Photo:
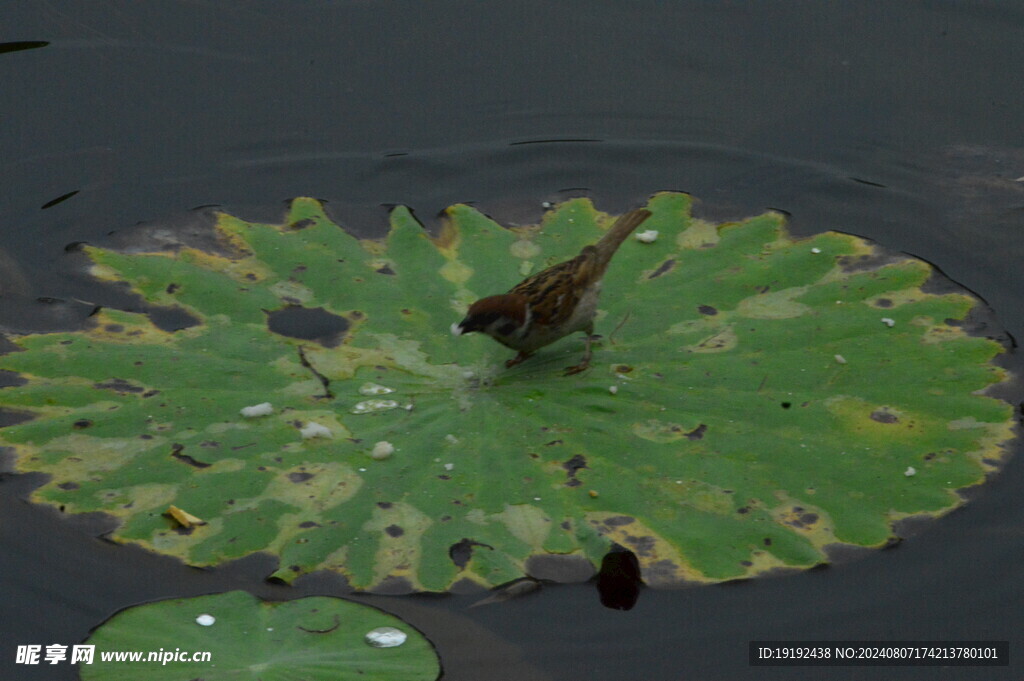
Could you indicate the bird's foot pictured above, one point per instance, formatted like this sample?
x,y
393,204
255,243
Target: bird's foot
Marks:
x,y
576,369
516,360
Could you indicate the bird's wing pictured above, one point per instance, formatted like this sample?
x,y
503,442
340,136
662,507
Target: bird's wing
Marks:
x,y
554,293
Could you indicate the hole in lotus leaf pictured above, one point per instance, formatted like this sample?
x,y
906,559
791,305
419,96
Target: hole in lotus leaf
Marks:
x,y
462,551
313,324
172,319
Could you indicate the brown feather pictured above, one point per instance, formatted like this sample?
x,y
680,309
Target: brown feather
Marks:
x,y
554,302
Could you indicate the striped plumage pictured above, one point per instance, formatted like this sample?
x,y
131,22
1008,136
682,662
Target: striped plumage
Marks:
x,y
552,303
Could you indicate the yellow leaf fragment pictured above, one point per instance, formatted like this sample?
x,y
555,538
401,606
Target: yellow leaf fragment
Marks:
x,y
183,518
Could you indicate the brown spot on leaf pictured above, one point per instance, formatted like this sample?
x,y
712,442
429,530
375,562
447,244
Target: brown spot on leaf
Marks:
x,y
394,531
572,467
884,416
666,266
119,385
68,485
81,424
309,523
300,477
707,310
883,302
302,224
697,433
643,546
176,452
619,520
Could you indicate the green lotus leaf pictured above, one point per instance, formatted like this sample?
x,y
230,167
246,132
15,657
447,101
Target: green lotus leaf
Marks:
x,y
234,636
756,400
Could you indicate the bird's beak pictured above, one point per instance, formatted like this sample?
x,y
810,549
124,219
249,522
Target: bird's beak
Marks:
x,y
457,329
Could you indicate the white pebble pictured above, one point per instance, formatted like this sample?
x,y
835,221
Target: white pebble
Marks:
x,y
840,359
647,237
312,430
205,620
261,409
888,322
386,637
910,471
382,450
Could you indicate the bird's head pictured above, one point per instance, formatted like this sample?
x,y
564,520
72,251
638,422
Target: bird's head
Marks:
x,y
501,317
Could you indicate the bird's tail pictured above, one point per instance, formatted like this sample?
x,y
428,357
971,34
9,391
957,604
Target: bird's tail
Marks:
x,y
614,237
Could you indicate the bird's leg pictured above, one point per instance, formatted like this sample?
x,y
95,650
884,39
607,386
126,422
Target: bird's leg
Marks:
x,y
587,353
517,359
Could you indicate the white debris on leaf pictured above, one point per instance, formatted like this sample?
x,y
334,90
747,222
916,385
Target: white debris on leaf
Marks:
x,y
369,406
910,471
386,637
451,439
815,250
888,322
382,450
449,466
648,236
840,359
613,389
261,409
205,620
312,430
370,389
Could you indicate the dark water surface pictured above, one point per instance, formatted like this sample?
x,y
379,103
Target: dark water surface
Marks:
x,y
902,122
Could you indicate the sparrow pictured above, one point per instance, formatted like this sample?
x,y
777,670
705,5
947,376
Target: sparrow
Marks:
x,y
552,303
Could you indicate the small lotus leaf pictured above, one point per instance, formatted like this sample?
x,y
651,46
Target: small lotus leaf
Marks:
x,y
235,636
